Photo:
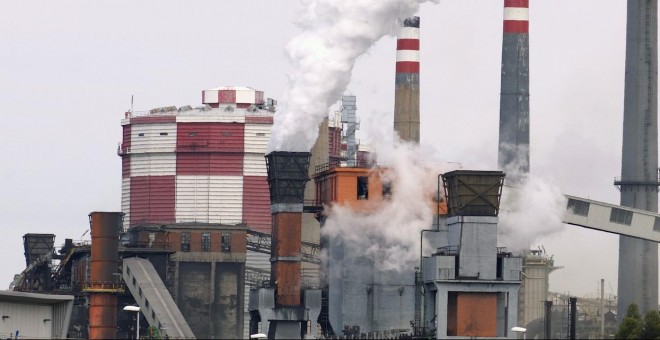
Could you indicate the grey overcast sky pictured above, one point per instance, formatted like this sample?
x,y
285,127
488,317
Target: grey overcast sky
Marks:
x,y
68,70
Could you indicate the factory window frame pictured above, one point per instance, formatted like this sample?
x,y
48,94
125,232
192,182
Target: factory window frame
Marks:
x,y
387,190
363,188
226,242
206,241
185,241
656,224
580,208
621,216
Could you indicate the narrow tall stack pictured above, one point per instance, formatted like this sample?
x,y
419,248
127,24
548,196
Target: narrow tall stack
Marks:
x,y
638,259
513,155
406,96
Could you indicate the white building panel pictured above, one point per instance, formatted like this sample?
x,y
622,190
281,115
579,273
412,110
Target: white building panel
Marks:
x,y
153,164
158,137
225,199
229,117
624,221
254,164
126,201
211,97
256,137
245,96
192,199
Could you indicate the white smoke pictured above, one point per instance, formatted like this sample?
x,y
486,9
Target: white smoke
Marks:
x,y
336,33
389,232
531,208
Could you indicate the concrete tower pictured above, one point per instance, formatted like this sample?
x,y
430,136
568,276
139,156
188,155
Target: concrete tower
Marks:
x,y
513,155
406,96
638,260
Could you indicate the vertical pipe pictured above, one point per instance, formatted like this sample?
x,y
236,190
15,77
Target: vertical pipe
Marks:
x,y
513,146
103,283
602,309
548,319
573,321
406,93
638,259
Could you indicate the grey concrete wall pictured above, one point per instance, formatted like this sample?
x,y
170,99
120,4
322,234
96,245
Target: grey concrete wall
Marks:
x,y
228,301
638,260
194,296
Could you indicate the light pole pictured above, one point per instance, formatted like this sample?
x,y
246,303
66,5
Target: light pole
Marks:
x,y
135,309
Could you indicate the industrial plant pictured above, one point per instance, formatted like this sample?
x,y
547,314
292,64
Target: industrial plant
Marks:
x,y
229,230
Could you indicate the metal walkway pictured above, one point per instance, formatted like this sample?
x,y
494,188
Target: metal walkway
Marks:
x,y
155,301
612,218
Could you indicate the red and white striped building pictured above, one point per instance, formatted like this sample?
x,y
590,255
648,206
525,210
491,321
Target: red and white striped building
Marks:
x,y
203,164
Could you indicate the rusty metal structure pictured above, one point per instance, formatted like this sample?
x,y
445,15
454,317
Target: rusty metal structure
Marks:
x,y
282,302
104,281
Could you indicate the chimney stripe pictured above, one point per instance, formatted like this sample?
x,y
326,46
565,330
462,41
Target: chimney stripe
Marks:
x,y
409,33
407,55
407,44
516,3
513,26
516,13
407,67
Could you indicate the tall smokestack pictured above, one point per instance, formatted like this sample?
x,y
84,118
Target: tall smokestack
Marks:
x,y
104,283
638,260
513,153
287,176
406,92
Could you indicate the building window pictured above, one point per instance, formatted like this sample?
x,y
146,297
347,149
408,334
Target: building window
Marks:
x,y
206,241
140,134
227,133
185,242
226,242
163,133
656,224
621,216
192,134
580,208
261,134
363,187
387,190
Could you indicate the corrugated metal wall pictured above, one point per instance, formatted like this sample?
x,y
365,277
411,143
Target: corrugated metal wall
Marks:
x,y
28,319
158,137
256,203
152,199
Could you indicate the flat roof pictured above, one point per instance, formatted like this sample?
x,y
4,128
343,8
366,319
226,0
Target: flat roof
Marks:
x,y
13,296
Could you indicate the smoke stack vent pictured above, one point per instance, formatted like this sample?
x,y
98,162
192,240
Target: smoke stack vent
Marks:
x,y
473,193
287,176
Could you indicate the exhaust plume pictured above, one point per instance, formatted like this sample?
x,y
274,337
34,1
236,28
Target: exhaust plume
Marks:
x,y
336,33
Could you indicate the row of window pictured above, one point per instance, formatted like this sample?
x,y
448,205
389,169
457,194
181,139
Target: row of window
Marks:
x,y
225,242
617,215
192,134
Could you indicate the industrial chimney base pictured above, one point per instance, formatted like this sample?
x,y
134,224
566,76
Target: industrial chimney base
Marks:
x,y
284,322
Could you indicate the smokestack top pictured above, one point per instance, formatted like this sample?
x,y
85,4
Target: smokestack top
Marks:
x,y
287,176
516,16
411,22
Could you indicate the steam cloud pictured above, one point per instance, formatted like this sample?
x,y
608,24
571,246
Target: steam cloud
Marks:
x,y
389,234
336,33
532,208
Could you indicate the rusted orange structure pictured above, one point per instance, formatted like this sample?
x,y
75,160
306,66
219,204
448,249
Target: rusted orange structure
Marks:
x,y
361,188
287,176
104,280
472,314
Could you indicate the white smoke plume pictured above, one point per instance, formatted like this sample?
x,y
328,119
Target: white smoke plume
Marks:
x,y
336,33
389,233
531,208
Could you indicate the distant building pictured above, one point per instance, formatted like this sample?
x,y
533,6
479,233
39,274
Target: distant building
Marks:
x,y
34,316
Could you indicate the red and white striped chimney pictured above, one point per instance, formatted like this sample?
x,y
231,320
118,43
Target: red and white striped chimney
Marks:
x,y
406,95
516,16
